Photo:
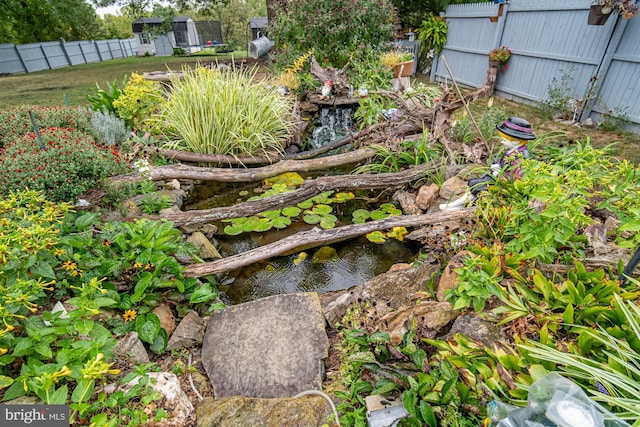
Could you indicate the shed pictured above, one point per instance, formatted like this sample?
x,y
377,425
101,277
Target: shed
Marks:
x,y
184,34
143,32
258,27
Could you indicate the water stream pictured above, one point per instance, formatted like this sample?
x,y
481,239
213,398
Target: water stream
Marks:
x,y
331,124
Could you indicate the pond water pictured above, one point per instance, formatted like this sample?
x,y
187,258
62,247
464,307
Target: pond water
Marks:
x,y
325,269
338,267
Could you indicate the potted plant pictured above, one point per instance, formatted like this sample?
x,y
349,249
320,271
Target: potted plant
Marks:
x,y
498,58
600,10
401,63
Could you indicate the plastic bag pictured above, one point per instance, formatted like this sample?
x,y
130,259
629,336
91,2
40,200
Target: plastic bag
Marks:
x,y
554,401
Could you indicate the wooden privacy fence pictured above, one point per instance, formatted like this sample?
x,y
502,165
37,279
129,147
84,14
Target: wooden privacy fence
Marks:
x,y
551,43
28,58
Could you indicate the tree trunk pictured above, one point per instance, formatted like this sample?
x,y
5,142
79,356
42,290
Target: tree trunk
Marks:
x,y
318,237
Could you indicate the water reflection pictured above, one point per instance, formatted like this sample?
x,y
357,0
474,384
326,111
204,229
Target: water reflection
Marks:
x,y
357,261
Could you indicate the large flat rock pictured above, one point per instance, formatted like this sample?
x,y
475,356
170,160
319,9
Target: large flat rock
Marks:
x,y
271,347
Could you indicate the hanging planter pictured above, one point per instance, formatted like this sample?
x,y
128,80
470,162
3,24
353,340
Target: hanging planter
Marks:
x,y
597,15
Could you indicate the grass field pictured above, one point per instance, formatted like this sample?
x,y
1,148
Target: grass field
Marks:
x,y
48,88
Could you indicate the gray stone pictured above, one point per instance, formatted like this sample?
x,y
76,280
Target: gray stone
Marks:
x,y
407,202
389,291
132,348
204,245
189,332
271,347
307,411
429,317
473,327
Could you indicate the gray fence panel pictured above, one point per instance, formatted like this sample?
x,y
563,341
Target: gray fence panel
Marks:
x,y
103,50
10,62
90,51
470,37
54,54
551,43
620,90
32,57
74,53
116,49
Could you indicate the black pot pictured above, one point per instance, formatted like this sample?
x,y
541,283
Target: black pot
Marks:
x,y
596,17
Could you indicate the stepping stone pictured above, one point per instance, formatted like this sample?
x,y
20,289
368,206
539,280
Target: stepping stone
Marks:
x,y
271,347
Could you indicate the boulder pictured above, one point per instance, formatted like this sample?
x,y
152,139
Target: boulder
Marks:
x,y
307,411
427,194
387,291
130,347
429,317
271,347
449,278
453,188
189,332
206,248
473,327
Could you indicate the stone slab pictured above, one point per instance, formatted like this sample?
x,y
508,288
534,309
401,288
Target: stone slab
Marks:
x,y
268,348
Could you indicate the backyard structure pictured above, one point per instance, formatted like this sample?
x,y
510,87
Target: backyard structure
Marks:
x,y
183,35
552,44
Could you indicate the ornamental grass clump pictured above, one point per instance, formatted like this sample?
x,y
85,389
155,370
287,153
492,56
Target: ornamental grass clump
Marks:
x,y
70,164
226,112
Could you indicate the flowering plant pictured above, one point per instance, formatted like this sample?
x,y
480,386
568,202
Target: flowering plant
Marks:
x,y
501,54
625,8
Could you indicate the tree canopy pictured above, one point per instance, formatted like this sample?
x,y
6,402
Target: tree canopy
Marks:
x,y
31,21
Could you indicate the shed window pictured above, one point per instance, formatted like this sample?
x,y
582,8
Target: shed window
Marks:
x,y
181,37
144,38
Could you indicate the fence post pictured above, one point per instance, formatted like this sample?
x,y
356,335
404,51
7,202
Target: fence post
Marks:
x,y
64,50
24,65
44,54
603,68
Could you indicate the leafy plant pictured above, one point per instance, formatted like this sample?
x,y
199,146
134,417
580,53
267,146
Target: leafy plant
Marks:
x,y
155,202
333,29
110,130
103,99
71,164
225,112
139,100
16,123
370,109
432,33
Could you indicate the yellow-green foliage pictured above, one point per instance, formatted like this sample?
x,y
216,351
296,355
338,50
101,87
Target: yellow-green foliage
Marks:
x,y
226,112
29,229
140,99
289,77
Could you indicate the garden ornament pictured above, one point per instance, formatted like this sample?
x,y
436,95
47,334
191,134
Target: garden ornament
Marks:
x,y
514,134
326,89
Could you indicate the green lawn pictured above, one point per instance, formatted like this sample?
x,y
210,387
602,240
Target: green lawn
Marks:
x,y
48,87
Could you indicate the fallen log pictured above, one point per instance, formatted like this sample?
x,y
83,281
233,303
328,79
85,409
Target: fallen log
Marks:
x,y
308,189
318,237
256,174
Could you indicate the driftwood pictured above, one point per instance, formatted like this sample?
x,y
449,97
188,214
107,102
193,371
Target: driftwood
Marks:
x,y
308,189
318,237
257,174
338,77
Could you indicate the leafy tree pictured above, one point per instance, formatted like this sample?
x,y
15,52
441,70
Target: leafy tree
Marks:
x,y
30,21
117,27
413,12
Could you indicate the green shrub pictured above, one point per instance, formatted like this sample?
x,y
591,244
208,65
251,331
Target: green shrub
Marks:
x,y
71,164
140,99
16,123
225,112
333,28
109,128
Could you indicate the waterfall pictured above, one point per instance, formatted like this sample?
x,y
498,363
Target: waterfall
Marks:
x,y
332,123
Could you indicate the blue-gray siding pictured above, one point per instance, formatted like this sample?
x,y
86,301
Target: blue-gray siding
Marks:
x,y
549,39
28,58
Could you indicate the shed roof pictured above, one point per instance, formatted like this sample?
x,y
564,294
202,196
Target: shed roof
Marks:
x,y
259,22
138,24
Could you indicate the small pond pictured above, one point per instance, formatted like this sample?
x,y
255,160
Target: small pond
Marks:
x,y
336,267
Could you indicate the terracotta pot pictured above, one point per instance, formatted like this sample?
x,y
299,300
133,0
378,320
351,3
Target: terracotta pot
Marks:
x,y
596,17
403,69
